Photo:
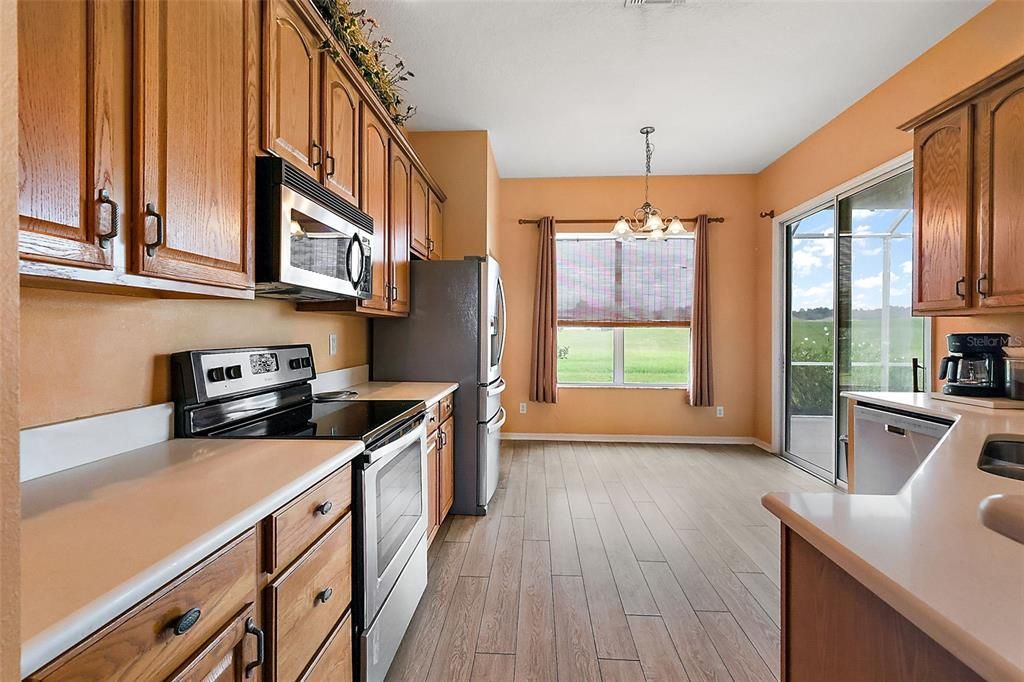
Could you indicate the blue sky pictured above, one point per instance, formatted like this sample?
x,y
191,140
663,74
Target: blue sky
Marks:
x,y
813,260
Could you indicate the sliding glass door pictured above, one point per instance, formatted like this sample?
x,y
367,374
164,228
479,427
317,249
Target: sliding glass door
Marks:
x,y
848,323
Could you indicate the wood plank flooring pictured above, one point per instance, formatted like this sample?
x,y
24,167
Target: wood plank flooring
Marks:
x,y
603,561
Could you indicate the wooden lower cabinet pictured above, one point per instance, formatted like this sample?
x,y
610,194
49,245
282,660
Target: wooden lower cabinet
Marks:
x,y
836,629
440,464
235,615
154,639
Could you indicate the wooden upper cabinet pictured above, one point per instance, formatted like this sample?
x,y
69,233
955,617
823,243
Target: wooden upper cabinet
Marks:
x,y
341,132
195,125
1000,195
73,130
401,180
374,195
435,226
291,76
419,212
942,208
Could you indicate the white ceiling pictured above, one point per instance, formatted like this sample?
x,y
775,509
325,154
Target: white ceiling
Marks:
x,y
564,86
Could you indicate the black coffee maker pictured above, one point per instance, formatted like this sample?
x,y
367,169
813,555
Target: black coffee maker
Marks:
x,y
976,365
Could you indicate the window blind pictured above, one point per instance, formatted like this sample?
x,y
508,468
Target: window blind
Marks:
x,y
608,283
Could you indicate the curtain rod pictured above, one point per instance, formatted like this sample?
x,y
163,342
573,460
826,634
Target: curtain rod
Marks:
x,y
595,221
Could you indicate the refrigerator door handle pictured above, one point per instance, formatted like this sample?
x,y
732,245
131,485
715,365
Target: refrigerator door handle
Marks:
x,y
496,388
504,319
491,428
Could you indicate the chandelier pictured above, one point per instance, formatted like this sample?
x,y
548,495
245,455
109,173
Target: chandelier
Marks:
x,y
647,219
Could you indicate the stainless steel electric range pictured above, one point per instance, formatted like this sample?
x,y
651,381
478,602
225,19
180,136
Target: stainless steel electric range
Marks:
x,y
266,393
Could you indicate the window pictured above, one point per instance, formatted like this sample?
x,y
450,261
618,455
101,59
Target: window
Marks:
x,y
624,311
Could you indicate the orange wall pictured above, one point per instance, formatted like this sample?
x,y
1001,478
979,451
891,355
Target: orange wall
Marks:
x,y
635,411
85,354
867,135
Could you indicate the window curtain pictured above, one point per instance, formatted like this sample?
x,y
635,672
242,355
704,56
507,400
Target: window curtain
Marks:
x,y
544,360
702,393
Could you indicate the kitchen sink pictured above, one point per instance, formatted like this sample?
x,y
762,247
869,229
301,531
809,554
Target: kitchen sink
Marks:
x,y
1003,458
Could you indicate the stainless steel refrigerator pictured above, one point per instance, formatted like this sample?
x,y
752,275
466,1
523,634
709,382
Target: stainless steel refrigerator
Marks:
x,y
455,332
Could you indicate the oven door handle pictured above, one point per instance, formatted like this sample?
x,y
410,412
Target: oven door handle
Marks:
x,y
385,454
491,428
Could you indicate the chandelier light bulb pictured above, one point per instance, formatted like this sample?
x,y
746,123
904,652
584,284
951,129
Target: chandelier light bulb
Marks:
x,y
621,227
654,222
675,226
657,235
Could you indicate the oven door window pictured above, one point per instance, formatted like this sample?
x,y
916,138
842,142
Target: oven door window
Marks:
x,y
318,248
400,503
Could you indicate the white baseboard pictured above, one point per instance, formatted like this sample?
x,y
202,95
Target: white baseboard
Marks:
x,y
634,438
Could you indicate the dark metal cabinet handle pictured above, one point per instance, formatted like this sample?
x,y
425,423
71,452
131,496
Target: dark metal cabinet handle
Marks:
x,y
394,293
315,162
387,291
325,508
960,287
152,246
430,245
250,628
981,285
330,165
115,218
185,621
324,595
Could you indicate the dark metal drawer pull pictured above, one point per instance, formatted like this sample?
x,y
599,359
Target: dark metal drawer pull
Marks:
x,y
981,286
185,621
250,628
324,595
115,218
151,247
959,287
325,508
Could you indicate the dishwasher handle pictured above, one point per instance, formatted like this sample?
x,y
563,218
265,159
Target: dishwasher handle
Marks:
x,y
895,430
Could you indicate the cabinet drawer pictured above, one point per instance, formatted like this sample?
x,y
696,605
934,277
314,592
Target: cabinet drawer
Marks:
x,y
447,406
433,417
142,643
300,611
294,528
334,660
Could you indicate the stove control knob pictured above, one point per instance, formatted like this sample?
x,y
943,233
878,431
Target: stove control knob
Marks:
x,y
216,374
234,372
306,362
295,363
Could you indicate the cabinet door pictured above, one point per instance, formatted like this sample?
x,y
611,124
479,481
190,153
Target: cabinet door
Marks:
x,y
401,180
435,227
433,503
373,187
72,130
1000,198
341,132
418,215
942,207
291,77
229,656
446,463
196,91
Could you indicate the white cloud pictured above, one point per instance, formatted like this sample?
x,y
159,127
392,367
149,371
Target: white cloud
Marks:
x,y
907,267
862,229
805,262
872,282
812,297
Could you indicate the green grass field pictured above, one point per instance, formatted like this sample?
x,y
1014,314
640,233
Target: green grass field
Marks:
x,y
650,356
812,339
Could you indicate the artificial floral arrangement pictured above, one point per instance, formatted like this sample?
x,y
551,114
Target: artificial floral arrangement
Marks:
x,y
382,69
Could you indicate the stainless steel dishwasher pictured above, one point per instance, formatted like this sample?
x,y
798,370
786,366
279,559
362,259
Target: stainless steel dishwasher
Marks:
x,y
890,446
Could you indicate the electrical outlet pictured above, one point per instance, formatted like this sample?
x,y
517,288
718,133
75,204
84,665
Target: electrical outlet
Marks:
x,y
719,411
522,408
332,342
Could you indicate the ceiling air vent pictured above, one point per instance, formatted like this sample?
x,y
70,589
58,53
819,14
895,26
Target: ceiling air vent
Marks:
x,y
638,3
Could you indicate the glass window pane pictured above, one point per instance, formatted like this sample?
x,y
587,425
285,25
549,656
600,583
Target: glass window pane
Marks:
x,y
656,355
585,355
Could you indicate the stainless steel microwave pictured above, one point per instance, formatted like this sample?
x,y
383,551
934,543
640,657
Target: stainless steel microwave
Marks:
x,y
311,245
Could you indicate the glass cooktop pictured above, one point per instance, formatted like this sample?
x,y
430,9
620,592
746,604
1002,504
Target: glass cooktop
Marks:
x,y
364,420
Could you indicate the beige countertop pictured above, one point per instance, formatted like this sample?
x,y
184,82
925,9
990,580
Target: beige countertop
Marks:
x,y
427,391
98,538
924,551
